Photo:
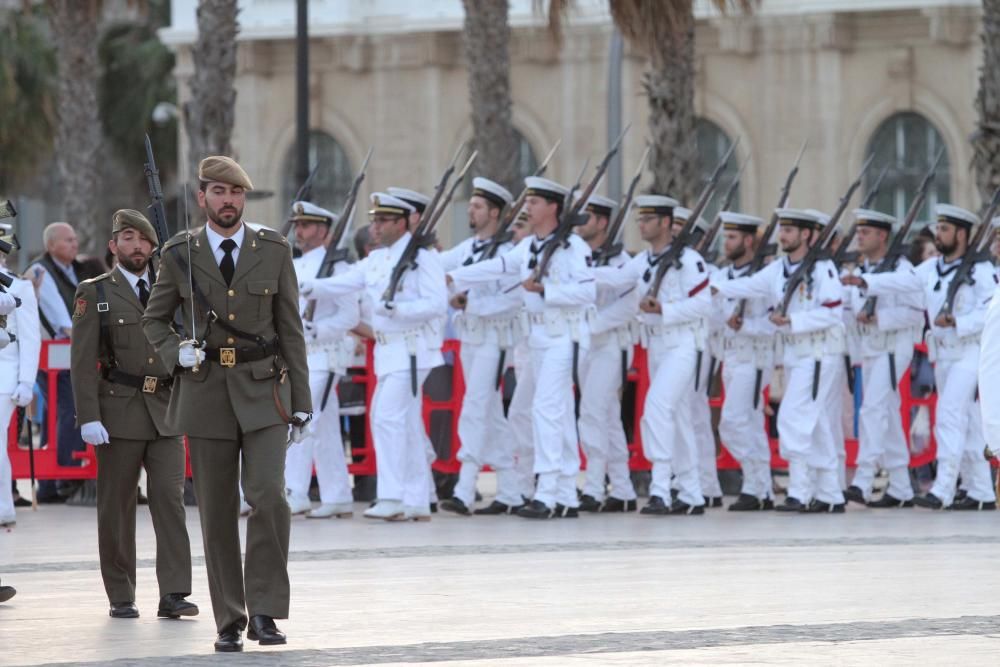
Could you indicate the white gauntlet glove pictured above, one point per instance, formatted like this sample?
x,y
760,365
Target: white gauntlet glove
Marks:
x,y
94,433
310,330
7,303
189,356
300,425
22,394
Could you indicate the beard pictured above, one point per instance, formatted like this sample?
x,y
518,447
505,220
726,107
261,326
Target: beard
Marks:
x,y
133,263
945,249
216,216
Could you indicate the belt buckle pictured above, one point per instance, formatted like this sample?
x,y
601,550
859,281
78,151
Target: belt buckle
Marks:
x,y
149,384
227,356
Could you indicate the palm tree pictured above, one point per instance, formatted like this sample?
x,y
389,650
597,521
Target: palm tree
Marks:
x,y
986,138
485,39
209,114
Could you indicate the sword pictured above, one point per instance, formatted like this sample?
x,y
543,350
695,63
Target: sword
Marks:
x,y
624,369
817,367
712,362
194,327
758,380
850,374
697,371
576,378
500,366
892,370
326,391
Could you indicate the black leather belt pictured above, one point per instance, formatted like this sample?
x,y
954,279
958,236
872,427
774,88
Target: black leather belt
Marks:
x,y
230,356
150,384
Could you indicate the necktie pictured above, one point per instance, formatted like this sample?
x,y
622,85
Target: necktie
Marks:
x,y
143,292
227,265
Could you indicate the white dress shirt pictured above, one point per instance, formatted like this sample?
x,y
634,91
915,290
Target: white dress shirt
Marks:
x,y
215,240
133,279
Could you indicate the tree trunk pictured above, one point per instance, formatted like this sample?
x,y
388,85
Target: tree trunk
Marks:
x,y
79,135
986,139
209,114
485,38
669,84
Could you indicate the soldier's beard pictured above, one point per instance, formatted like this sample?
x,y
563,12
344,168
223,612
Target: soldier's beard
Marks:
x,y
135,265
216,216
945,249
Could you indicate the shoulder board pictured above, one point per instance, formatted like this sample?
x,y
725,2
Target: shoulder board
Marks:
x,y
103,276
266,233
179,238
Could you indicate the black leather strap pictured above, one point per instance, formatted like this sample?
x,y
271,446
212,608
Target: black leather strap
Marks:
x,y
137,381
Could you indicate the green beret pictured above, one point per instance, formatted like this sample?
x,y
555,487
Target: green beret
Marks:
x,y
126,217
222,169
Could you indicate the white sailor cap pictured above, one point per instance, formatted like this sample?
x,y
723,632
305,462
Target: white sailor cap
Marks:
x,y
823,218
798,217
303,211
418,201
867,217
739,222
684,214
390,205
601,205
955,215
655,204
491,191
543,187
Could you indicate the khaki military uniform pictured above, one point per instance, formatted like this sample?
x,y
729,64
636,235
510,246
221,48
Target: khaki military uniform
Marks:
x,y
235,407
129,395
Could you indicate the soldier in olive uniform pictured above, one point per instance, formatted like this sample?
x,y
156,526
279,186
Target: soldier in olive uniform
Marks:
x,y
243,380
121,409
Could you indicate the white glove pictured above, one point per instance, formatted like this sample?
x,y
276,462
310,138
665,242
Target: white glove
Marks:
x,y
189,356
385,309
94,433
7,303
309,328
22,394
305,288
300,425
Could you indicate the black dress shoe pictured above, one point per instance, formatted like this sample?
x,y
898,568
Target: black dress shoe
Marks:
x,y
536,509
563,512
496,508
6,593
173,605
820,507
888,500
929,500
970,504
229,640
434,510
655,506
589,503
791,504
123,610
749,503
855,495
262,629
613,504
681,507
452,505
713,501
22,502
961,494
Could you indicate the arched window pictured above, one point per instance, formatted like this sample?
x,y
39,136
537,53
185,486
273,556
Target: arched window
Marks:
x,y
333,179
906,144
713,142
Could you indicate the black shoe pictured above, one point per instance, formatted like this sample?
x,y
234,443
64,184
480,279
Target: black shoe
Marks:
x,y
613,504
681,507
22,502
536,509
6,593
928,500
229,640
961,494
452,505
791,504
713,501
173,605
819,507
434,510
673,494
655,506
749,503
123,610
855,495
589,503
968,503
564,512
262,629
497,507
887,500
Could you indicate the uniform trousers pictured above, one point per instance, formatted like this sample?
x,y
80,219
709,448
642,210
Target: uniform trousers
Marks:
x,y
741,425
701,422
322,447
397,423
520,422
7,408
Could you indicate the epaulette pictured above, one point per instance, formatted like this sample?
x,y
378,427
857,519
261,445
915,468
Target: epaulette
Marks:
x,y
103,276
179,237
266,233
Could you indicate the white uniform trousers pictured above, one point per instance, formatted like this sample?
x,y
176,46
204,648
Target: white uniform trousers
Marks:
x,y
602,434
881,441
701,422
6,496
486,437
399,433
520,422
958,431
323,446
742,426
667,432
806,431
557,453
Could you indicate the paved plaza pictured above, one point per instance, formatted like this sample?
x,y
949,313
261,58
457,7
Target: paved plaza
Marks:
x,y
904,587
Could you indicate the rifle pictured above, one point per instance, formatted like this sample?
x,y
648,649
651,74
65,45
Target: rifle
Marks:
x,y
7,210
898,246
612,247
304,193
706,241
334,253
671,259
978,251
502,235
843,254
157,216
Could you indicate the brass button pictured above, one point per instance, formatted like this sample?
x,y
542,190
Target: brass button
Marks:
x,y
231,292
120,321
112,392
232,316
230,341
150,360
260,233
267,291
195,369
